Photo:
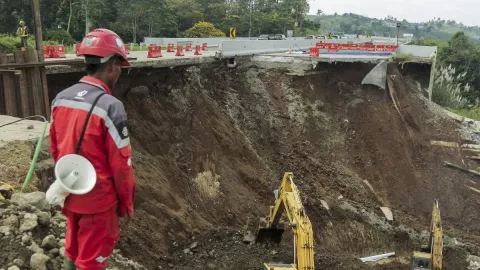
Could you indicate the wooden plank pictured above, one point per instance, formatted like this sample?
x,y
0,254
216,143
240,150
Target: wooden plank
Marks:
x,y
2,95
35,83
24,96
462,169
60,62
46,96
64,62
445,144
9,91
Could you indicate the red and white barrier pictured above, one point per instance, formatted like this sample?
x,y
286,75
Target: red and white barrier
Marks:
x,y
154,51
179,51
198,49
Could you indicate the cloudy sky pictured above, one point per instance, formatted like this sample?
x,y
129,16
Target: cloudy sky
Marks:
x,y
465,11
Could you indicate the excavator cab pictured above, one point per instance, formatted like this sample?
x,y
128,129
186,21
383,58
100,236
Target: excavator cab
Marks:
x,y
421,261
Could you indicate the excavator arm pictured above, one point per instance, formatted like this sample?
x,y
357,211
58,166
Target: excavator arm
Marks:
x,y
431,257
436,238
287,200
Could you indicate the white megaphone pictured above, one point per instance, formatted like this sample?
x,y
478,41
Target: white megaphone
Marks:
x,y
74,174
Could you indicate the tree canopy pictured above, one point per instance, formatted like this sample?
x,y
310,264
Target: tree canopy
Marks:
x,y
135,19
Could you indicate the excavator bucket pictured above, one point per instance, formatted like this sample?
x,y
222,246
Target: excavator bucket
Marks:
x,y
269,234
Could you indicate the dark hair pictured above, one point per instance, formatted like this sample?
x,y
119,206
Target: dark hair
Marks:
x,y
93,63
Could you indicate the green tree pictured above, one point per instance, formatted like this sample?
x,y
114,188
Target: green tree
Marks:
x,y
203,30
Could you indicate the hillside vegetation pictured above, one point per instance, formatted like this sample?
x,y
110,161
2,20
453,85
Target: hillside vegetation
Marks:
x,y
351,23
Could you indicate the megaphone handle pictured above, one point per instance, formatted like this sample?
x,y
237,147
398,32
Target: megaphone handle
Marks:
x,y
80,141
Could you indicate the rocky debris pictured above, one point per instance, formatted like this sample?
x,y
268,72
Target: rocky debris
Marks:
x,y
44,218
28,225
474,262
35,248
12,222
249,238
26,239
5,230
35,236
38,261
36,199
61,243
49,242
13,267
19,262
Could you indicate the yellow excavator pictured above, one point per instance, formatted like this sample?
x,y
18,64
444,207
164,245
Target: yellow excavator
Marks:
x,y
432,255
287,200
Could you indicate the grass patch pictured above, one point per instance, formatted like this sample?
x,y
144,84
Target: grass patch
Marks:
x,y
472,113
401,57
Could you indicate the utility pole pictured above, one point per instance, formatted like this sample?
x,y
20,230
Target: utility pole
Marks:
x,y
86,18
250,28
38,29
39,47
398,30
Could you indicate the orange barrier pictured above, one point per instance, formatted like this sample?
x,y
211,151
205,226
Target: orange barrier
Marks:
x,y
46,52
333,49
391,48
77,47
154,51
171,47
127,49
321,45
188,48
380,48
204,47
54,51
197,50
314,51
371,47
179,51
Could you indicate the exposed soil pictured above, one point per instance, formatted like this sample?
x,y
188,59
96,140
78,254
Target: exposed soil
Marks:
x,y
211,144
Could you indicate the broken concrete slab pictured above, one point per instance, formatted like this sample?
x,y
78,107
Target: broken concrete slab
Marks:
x,y
377,76
387,213
377,257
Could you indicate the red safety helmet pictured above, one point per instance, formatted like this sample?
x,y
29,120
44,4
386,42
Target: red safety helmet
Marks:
x,y
105,44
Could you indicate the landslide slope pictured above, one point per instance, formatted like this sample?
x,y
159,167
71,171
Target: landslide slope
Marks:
x,y
211,143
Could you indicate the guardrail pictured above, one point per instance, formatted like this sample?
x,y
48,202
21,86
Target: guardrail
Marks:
x,y
418,51
232,48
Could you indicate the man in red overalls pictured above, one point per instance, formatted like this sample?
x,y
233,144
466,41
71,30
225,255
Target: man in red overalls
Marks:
x,y
93,219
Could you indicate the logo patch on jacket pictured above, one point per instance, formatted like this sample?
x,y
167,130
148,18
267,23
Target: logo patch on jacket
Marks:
x,y
125,132
81,94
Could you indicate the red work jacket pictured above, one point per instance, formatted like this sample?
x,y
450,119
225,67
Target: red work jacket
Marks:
x,y
106,145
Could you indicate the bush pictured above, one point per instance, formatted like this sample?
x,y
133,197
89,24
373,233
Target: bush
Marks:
x,y
9,44
448,91
60,36
203,30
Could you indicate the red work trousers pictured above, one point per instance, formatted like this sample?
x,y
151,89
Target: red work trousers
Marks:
x,y
90,239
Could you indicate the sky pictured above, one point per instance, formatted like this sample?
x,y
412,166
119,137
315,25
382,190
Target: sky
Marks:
x,y
465,11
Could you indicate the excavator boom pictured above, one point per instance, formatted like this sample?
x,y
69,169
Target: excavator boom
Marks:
x,y
287,200
432,256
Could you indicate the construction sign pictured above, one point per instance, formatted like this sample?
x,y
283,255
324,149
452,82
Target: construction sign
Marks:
x,y
233,32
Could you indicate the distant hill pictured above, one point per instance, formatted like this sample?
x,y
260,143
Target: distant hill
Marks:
x,y
350,23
